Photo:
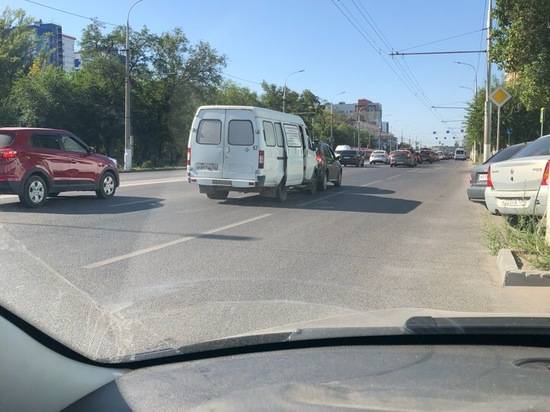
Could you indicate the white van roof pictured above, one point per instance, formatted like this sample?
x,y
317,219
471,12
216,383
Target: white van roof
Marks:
x,y
258,112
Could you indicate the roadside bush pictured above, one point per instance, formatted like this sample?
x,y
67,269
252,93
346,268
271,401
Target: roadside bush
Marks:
x,y
148,164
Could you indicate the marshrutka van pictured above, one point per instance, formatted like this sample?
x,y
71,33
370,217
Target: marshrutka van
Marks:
x,y
249,149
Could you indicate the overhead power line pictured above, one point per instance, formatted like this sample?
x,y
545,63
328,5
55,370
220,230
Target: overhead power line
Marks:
x,y
242,79
398,53
404,74
444,39
70,13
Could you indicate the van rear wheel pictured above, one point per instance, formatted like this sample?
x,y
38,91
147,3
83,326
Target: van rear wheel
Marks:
x,y
218,195
312,185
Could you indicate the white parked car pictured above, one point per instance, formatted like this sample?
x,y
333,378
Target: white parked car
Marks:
x,y
460,154
249,149
379,156
519,186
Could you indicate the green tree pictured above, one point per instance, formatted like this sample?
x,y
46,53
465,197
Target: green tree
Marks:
x,y
522,48
16,57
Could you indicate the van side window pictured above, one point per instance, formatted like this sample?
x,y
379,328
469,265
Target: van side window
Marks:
x,y
209,132
241,133
279,134
292,136
269,133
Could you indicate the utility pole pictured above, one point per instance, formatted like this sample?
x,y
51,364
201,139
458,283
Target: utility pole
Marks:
x,y
488,106
498,128
358,144
128,140
542,121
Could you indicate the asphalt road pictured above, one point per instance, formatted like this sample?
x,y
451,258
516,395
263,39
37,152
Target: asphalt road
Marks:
x,y
182,268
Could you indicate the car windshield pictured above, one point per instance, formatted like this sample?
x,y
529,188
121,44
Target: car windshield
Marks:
x,y
169,177
540,147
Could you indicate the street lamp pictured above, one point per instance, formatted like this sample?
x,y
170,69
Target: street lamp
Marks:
x,y
128,143
332,115
284,89
473,68
466,87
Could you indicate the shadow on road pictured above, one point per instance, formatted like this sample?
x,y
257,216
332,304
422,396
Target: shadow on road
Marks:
x,y
344,199
88,205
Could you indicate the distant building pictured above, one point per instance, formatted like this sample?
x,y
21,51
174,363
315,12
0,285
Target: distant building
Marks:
x,y
77,61
68,53
49,39
344,108
58,48
385,127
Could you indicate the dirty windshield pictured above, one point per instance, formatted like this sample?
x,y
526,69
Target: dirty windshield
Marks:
x,y
161,184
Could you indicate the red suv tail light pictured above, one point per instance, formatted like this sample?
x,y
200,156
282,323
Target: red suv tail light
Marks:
x,y
188,156
261,158
8,154
319,158
490,178
544,181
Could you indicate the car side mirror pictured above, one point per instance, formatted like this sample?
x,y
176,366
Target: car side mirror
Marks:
x,y
91,150
337,157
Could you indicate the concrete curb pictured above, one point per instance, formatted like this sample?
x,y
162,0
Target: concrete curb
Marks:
x,y
153,169
511,275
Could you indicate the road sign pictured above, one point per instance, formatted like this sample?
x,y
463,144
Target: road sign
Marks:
x,y
500,96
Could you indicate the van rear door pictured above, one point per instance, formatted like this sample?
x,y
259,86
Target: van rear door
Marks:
x,y
241,145
207,143
295,155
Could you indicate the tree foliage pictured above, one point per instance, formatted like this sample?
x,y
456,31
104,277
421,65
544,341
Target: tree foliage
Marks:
x,y
522,48
170,77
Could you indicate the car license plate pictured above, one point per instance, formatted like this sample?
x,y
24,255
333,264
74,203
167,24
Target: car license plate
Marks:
x,y
482,177
512,203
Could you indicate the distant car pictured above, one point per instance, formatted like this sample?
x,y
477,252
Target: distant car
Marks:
x,y
417,158
440,155
519,186
366,153
351,157
328,166
379,156
426,156
37,163
341,147
460,154
402,157
478,176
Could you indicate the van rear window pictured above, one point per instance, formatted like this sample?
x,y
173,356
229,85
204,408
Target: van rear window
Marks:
x,y
210,131
5,140
241,133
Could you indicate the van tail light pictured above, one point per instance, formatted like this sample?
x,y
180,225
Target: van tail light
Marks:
x,y
8,154
490,178
188,156
544,181
261,158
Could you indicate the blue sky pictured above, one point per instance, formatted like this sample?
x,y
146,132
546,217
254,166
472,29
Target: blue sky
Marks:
x,y
267,39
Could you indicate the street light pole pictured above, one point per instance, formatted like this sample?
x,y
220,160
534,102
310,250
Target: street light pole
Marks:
x,y
487,123
128,143
284,88
475,73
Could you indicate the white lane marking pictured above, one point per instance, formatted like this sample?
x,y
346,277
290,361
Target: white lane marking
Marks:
x,y
153,182
171,243
137,202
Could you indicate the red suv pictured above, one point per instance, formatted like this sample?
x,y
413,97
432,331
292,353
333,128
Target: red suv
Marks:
x,y
37,163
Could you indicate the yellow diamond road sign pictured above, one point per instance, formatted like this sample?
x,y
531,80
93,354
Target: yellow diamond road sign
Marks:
x,y
500,96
